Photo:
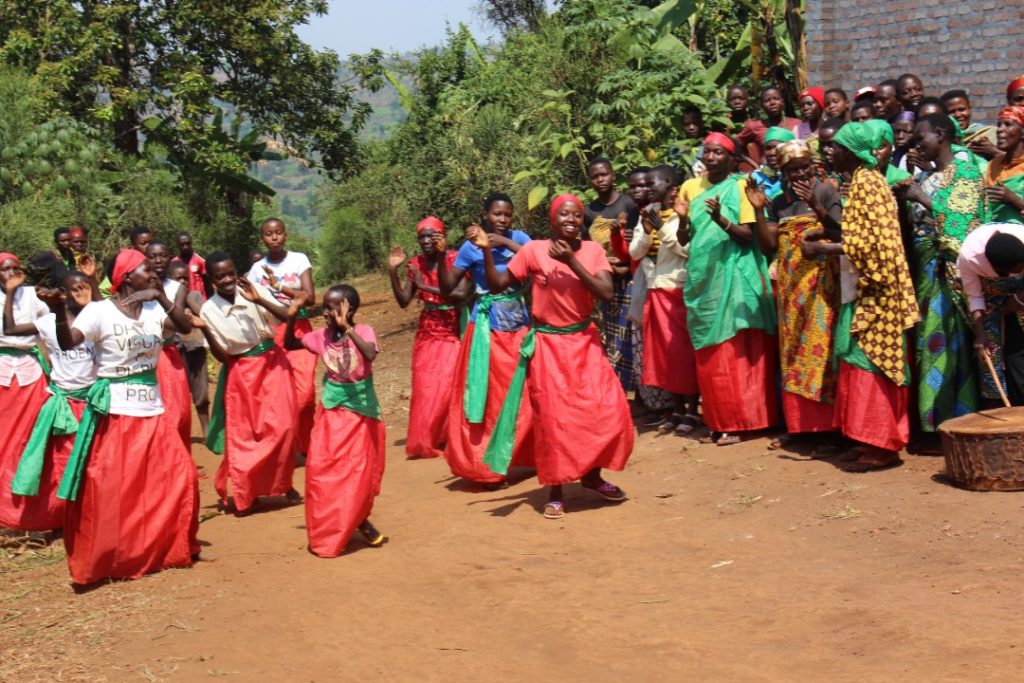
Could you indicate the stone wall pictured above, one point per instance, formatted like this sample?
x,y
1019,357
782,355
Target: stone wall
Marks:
x,y
977,46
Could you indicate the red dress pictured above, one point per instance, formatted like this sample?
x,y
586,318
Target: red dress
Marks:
x,y
19,406
580,415
175,392
259,408
669,359
345,463
435,355
737,382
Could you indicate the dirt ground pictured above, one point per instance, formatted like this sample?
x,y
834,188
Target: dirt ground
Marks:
x,y
734,563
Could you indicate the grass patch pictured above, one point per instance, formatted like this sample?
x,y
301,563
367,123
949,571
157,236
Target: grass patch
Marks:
x,y
845,512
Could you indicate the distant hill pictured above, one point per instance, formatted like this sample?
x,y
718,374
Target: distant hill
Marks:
x,y
296,185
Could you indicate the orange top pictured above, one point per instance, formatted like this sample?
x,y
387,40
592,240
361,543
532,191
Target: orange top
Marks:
x,y
998,172
559,297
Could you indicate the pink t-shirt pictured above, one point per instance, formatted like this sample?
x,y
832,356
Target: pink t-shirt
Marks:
x,y
345,364
559,297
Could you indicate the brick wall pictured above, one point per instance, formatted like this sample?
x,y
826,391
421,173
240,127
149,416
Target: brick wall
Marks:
x,y
975,45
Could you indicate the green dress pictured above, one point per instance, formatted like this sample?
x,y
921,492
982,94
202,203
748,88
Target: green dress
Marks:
x,y
947,377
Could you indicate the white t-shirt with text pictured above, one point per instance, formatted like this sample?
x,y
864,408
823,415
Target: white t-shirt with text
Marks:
x,y
126,347
73,369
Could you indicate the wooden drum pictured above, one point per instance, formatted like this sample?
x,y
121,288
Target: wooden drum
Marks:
x,y
985,451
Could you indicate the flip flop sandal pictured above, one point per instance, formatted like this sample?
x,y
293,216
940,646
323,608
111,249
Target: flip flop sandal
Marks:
x,y
710,438
688,425
608,491
652,420
670,423
374,538
729,439
554,509
862,466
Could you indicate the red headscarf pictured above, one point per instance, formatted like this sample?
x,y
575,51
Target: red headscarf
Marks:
x,y
127,261
1014,112
8,255
77,232
430,223
817,93
723,140
560,200
1019,83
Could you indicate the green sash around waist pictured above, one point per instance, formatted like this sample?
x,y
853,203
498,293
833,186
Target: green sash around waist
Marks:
x,y
474,398
35,352
437,307
499,450
56,418
215,428
359,397
97,403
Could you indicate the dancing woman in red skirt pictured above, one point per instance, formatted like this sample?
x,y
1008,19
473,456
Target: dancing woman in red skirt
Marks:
x,y
287,274
130,482
345,463
435,351
490,349
42,463
23,392
581,416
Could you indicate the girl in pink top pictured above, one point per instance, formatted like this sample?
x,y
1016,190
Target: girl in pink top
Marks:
x,y
345,462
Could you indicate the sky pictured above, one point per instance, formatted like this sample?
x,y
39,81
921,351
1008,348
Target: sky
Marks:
x,y
357,26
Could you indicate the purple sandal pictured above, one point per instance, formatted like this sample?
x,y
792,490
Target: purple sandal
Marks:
x,y
608,491
554,509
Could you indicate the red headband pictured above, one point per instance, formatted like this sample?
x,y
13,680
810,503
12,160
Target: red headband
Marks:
x,y
430,223
77,232
560,200
1019,83
127,261
723,140
1014,112
817,93
8,255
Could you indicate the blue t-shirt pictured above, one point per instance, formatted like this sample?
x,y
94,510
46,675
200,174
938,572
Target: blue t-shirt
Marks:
x,y
505,315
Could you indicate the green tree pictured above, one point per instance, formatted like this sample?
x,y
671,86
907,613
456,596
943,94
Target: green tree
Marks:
x,y
117,62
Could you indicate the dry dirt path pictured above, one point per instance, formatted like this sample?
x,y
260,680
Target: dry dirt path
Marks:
x,y
726,564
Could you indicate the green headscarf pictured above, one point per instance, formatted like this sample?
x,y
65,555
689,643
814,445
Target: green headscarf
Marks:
x,y
958,132
881,132
776,134
859,139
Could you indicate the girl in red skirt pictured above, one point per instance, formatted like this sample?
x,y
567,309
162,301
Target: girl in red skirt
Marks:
x,y
42,463
435,351
22,395
581,416
131,485
254,414
170,371
345,463
490,349
287,274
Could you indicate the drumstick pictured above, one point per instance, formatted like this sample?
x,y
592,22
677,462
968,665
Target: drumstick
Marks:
x,y
995,377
